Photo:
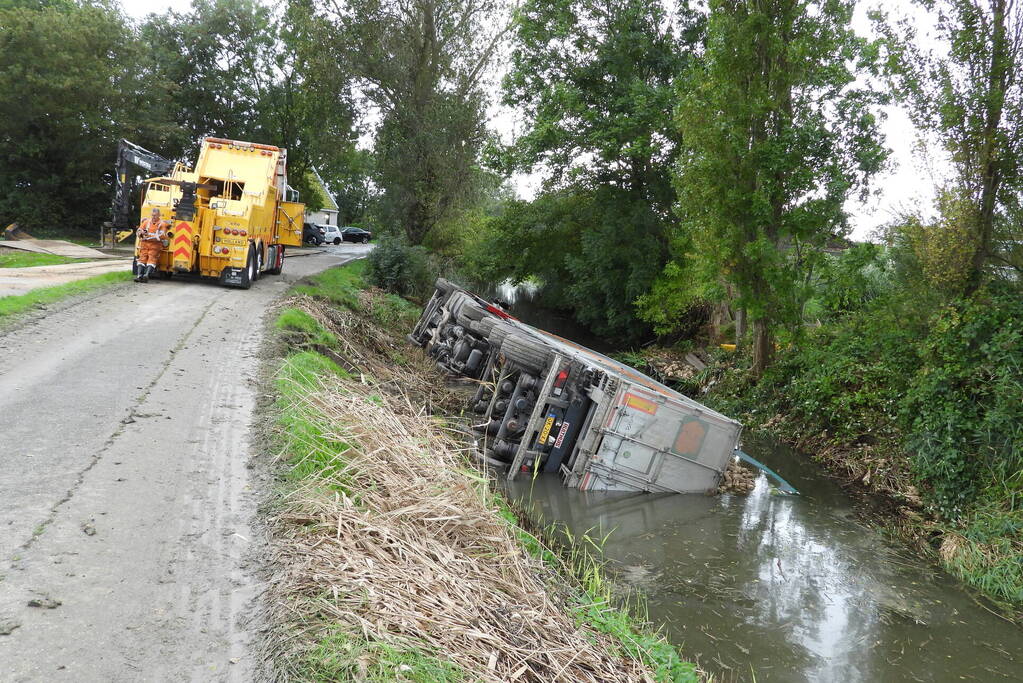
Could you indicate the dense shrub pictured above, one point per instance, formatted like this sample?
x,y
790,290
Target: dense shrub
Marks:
x,y
396,266
964,410
845,379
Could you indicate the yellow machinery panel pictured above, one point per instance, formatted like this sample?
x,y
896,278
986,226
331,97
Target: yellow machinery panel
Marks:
x,y
290,222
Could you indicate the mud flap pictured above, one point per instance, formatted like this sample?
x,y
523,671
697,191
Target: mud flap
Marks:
x,y
232,277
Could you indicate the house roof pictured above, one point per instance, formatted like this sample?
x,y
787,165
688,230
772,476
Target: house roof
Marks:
x,y
322,193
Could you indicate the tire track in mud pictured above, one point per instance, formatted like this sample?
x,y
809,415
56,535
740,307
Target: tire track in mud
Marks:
x,y
112,439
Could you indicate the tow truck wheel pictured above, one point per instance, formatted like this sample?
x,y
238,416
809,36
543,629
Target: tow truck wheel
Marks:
x,y
278,260
248,276
259,262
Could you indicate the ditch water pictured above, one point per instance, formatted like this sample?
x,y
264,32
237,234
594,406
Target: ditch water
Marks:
x,y
770,587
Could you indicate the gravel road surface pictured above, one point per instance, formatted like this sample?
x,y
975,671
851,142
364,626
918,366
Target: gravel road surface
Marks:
x,y
129,544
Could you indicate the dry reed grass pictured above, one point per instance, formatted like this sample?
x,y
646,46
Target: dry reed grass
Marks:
x,y
417,552
369,349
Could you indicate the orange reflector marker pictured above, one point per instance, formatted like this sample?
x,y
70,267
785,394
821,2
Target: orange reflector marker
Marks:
x,y
639,403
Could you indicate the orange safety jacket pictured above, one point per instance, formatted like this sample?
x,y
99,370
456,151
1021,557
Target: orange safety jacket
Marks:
x,y
147,232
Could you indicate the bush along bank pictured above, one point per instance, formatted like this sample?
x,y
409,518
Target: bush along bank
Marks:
x,y
394,557
928,414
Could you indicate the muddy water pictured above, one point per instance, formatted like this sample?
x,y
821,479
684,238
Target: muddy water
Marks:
x,y
787,588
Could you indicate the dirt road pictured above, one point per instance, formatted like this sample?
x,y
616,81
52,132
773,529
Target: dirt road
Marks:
x,y
128,506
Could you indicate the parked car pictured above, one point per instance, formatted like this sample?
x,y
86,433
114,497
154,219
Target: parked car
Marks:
x,y
313,234
353,234
332,234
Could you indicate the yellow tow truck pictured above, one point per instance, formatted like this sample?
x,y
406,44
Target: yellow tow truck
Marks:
x,y
231,217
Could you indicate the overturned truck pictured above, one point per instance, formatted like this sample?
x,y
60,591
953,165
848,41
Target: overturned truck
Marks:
x,y
550,405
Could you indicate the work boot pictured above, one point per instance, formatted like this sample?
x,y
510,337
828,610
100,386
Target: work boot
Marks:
x,y
140,268
144,277
149,272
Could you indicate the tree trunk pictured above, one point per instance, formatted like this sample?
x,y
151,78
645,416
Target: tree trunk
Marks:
x,y
740,327
762,347
990,175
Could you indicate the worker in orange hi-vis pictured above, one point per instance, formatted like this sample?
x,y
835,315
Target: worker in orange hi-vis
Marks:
x,y
151,233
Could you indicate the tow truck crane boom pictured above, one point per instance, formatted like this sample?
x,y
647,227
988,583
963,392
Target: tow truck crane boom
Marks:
x,y
130,157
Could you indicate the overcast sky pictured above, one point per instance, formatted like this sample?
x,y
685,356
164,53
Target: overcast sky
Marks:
x,y
908,185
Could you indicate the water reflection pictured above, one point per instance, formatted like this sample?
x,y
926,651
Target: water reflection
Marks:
x,y
787,588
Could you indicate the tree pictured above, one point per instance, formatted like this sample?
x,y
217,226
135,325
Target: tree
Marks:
x,y
243,71
421,66
594,82
73,80
971,100
776,137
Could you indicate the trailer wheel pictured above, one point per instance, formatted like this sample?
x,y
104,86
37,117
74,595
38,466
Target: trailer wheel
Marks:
x,y
469,313
525,352
497,333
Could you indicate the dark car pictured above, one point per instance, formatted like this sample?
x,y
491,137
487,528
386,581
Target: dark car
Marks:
x,y
353,234
312,234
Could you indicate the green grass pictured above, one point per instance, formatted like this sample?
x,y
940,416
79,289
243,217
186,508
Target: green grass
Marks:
x,y
13,258
305,433
344,655
991,555
339,285
295,320
14,305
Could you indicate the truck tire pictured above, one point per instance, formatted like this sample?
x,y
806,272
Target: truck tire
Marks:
x,y
497,334
455,303
469,313
484,327
525,352
278,260
250,266
258,271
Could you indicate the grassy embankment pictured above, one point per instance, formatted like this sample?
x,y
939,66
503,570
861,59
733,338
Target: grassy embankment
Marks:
x,y
11,306
395,557
10,258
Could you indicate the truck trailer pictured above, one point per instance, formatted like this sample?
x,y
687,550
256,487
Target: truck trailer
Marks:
x,y
548,404
231,216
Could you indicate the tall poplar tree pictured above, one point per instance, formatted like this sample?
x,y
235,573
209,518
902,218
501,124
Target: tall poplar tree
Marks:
x,y
776,136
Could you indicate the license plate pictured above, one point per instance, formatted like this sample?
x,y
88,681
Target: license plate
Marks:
x,y
546,431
